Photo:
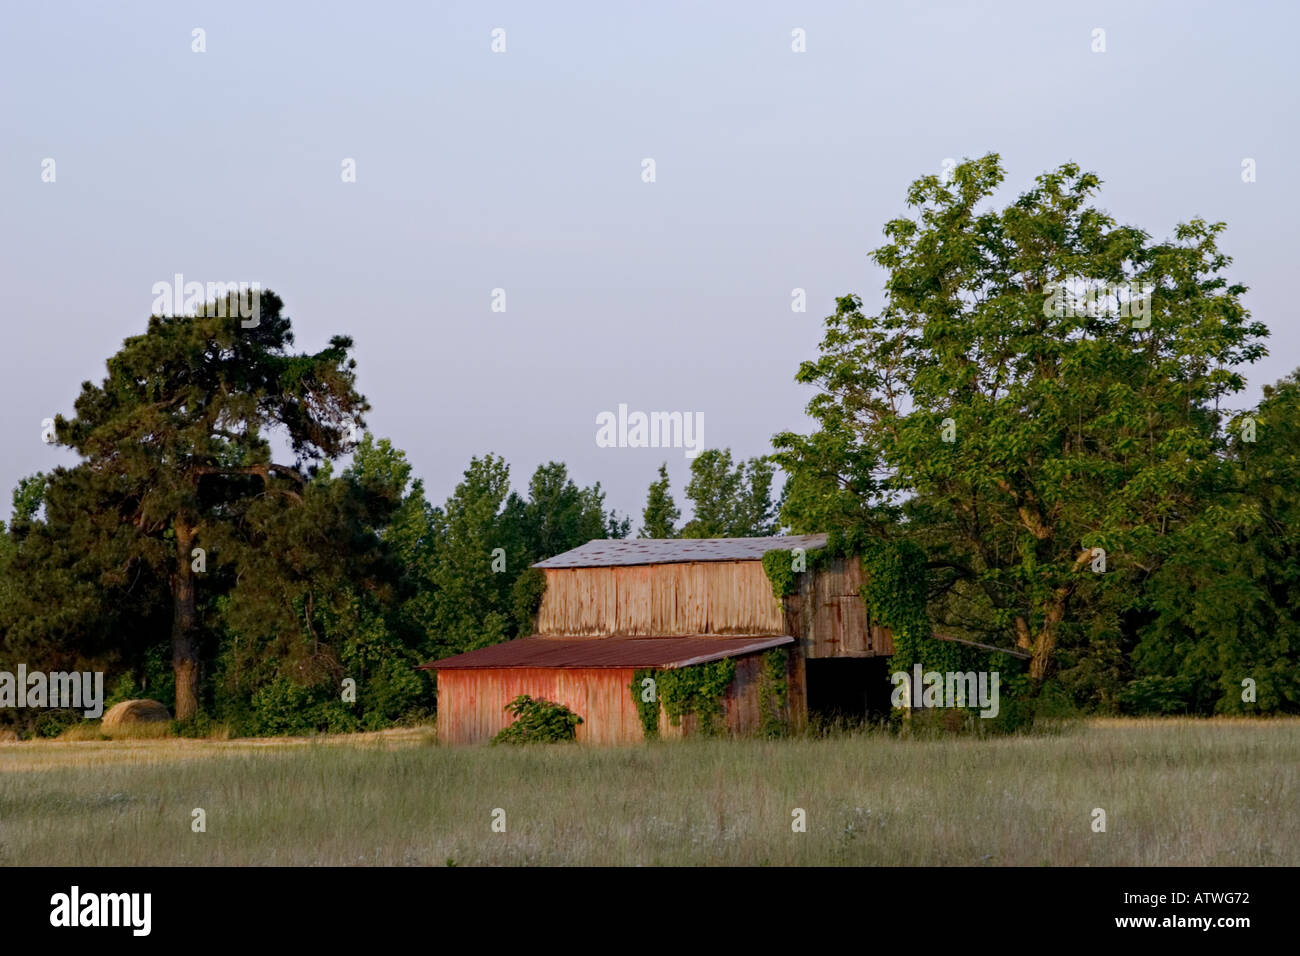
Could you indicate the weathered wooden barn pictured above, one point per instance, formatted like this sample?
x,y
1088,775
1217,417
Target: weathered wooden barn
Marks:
x,y
613,607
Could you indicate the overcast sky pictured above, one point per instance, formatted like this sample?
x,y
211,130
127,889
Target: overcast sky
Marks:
x,y
523,171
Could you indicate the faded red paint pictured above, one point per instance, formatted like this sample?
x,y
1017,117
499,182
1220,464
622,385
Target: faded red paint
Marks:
x,y
471,703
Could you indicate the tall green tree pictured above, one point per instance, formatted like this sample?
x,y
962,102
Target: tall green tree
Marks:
x,y
75,595
1223,634
179,433
730,500
661,514
319,598
471,572
558,515
1019,419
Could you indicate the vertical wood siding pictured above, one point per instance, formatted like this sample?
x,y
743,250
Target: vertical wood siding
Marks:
x,y
471,703
661,600
828,617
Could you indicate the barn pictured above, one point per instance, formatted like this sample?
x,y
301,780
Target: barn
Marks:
x,y
616,609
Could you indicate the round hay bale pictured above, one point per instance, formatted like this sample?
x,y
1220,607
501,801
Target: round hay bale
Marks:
x,y
143,711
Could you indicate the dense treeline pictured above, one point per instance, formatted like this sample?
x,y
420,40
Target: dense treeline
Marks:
x,y
1065,465
181,560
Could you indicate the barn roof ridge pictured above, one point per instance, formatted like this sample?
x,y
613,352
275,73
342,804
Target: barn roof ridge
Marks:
x,y
624,552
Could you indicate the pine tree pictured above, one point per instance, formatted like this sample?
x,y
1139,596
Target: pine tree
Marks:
x,y
177,439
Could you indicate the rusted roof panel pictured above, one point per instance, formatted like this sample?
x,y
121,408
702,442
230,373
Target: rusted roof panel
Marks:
x,y
578,652
614,552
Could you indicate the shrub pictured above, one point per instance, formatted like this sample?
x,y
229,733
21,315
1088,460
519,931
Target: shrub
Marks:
x,y
284,707
1157,695
538,721
198,726
51,723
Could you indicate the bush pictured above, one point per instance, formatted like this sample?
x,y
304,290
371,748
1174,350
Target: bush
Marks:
x,y
538,721
1157,695
198,726
394,690
1022,709
283,707
52,723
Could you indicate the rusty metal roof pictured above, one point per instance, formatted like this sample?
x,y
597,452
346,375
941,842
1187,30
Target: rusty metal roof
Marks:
x,y
613,552
580,652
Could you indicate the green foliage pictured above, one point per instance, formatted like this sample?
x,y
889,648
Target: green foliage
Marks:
x,y
199,726
1013,435
1224,608
125,688
647,710
51,723
774,692
730,501
778,565
465,601
175,453
283,707
527,593
28,498
538,721
157,680
698,690
659,519
1157,695
1020,705
895,596
352,575
470,602
559,515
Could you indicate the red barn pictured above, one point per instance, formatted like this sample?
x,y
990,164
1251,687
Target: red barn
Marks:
x,y
613,607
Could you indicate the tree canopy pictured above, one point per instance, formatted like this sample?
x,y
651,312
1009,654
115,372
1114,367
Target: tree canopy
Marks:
x,y
1040,404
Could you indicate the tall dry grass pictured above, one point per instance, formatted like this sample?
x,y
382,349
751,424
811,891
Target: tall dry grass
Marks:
x,y
1183,792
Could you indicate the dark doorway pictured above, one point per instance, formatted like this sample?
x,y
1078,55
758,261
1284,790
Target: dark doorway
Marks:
x,y
848,689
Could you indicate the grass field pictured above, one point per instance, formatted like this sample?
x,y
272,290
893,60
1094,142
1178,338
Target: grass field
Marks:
x,y
1186,792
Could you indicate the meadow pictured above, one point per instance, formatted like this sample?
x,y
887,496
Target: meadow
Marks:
x,y
1175,792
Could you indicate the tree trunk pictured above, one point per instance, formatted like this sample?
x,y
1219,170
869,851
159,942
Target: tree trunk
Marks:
x,y
1045,639
185,658
1042,655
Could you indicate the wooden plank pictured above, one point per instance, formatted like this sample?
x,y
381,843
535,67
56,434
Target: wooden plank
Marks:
x,y
719,597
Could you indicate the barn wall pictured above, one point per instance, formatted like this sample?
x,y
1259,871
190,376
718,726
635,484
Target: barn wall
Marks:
x,y
660,600
829,618
471,703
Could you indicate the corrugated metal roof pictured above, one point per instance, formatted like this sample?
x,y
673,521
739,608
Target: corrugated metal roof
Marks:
x,y
579,652
613,552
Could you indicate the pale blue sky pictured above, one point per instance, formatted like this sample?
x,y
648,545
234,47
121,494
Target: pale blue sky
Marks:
x,y
522,171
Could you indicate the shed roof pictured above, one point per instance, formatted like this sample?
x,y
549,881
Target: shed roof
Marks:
x,y
613,552
581,652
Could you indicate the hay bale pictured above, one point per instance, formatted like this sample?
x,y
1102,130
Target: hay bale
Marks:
x,y
128,712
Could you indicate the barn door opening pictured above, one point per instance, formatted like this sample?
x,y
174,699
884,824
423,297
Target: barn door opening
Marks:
x,y
849,690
